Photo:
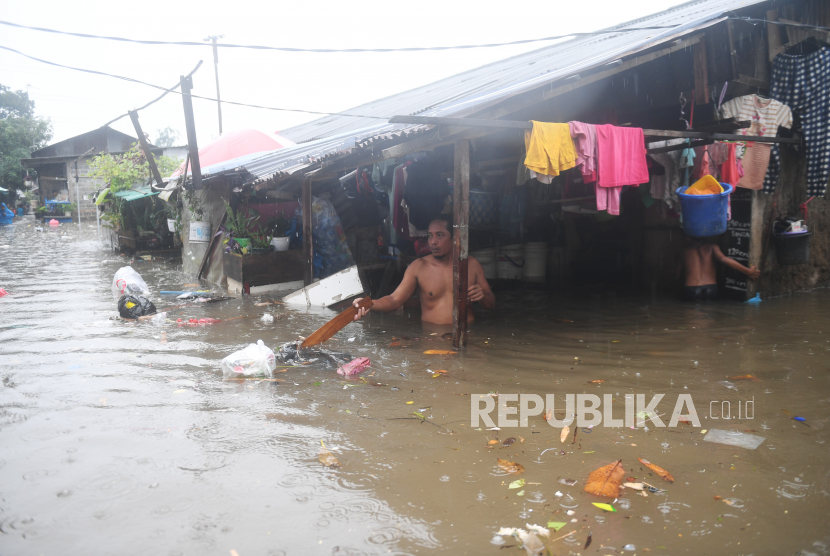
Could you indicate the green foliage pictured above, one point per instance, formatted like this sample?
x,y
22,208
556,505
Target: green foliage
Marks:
x,y
21,132
237,223
124,171
166,137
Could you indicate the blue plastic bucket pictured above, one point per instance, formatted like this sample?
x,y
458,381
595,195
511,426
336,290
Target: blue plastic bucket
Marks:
x,y
704,215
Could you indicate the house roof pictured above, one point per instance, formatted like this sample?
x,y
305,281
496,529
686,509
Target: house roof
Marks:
x,y
466,93
101,140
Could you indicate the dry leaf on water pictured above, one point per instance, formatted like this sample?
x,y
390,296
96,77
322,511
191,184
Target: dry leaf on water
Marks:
x,y
745,377
394,344
439,352
510,466
563,436
596,381
606,480
548,414
326,457
509,441
659,470
493,442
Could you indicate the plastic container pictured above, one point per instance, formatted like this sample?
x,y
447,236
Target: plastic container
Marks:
x,y
280,243
487,259
510,262
792,248
243,241
199,232
536,261
127,281
484,208
171,225
704,215
19,211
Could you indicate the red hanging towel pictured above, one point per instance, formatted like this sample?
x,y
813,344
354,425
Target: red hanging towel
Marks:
x,y
729,169
621,155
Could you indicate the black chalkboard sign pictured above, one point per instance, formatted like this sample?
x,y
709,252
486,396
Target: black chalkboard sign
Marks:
x,y
737,243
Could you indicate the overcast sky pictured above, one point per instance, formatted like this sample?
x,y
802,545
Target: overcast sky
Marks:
x,y
78,102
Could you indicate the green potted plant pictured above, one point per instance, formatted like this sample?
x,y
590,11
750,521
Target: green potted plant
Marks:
x,y
69,208
261,243
237,226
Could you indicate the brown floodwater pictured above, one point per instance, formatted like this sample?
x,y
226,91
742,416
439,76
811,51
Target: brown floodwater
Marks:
x,y
123,438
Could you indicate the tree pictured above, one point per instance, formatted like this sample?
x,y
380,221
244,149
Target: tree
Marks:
x,y
21,132
166,137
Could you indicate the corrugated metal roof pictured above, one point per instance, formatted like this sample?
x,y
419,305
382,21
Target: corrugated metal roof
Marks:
x,y
474,90
135,193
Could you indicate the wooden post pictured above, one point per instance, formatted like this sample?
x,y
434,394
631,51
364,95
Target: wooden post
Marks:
x,y
773,35
460,237
190,126
756,238
308,244
145,148
701,73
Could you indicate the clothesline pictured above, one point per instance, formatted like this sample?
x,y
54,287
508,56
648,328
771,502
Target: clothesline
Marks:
x,y
511,124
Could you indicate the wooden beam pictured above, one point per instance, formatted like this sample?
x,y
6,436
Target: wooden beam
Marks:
x,y
190,127
718,136
145,147
308,244
211,246
701,72
756,238
688,145
460,239
773,35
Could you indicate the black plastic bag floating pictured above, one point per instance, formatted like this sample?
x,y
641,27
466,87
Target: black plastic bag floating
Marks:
x,y
134,306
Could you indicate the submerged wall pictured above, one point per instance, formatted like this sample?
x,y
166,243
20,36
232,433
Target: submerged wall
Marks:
x,y
212,198
792,191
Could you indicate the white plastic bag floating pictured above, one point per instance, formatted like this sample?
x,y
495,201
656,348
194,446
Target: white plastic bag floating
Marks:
x,y
128,281
254,360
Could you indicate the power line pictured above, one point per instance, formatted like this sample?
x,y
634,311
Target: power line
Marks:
x,y
171,90
332,50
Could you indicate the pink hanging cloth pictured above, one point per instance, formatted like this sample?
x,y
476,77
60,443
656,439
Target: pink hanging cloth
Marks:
x,y
621,156
585,141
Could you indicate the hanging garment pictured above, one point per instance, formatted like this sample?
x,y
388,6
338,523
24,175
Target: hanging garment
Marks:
x,y
671,162
621,156
729,169
400,220
383,173
585,140
425,192
550,149
608,198
765,116
802,83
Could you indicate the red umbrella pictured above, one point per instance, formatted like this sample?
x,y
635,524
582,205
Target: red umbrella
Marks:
x,y
235,145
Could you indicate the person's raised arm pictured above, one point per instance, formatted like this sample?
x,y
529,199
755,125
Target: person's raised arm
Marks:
x,y
480,290
397,298
752,273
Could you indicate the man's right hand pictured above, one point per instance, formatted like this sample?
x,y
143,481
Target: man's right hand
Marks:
x,y
361,311
753,273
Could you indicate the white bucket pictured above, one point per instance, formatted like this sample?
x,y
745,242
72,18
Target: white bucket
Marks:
x,y
487,259
280,243
510,262
199,232
171,225
536,261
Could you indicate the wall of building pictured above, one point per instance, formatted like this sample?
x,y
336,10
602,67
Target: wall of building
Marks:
x,y
192,253
782,280
84,194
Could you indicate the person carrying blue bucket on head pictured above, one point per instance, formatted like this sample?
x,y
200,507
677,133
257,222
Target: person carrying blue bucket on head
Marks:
x,y
6,215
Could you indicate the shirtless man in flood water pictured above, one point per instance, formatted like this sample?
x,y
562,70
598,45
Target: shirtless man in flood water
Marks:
x,y
431,276
699,263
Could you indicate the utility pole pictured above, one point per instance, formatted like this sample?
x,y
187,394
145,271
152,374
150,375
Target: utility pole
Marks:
x,y
190,127
213,39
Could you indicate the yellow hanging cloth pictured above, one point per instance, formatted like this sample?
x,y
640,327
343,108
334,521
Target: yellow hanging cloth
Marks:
x,y
550,149
707,185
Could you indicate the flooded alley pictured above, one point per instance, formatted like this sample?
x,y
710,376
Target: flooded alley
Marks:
x,y
123,438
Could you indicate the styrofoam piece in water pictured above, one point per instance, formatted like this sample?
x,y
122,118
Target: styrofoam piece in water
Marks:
x,y
328,291
734,438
